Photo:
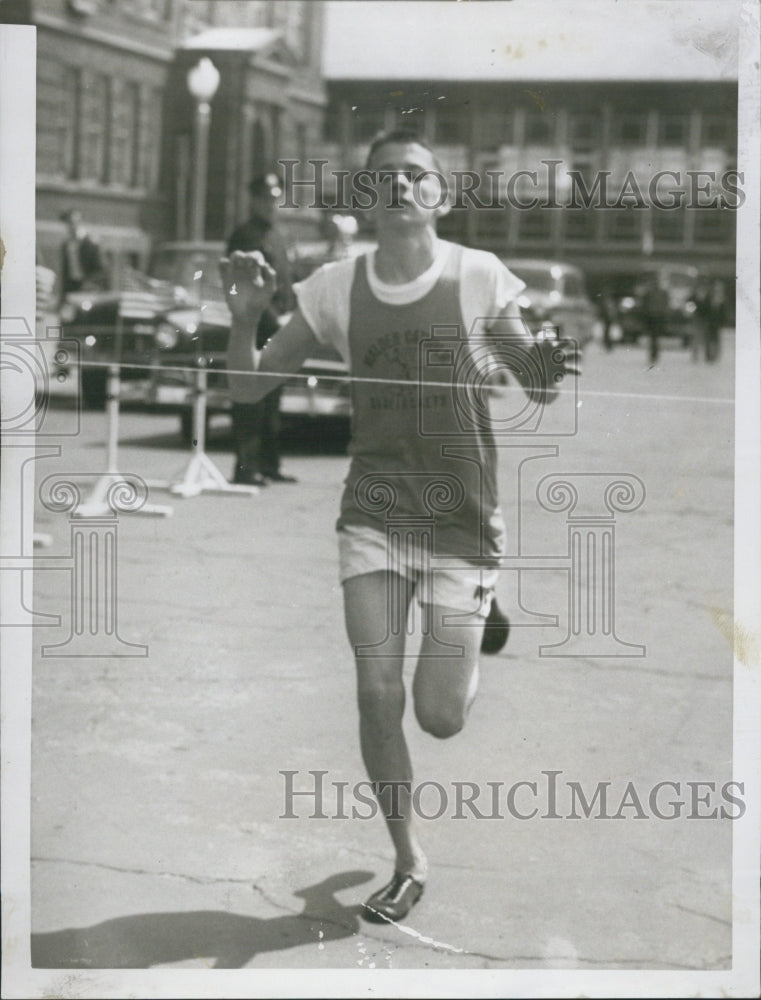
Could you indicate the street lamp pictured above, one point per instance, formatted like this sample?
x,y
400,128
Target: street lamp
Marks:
x,y
201,473
203,80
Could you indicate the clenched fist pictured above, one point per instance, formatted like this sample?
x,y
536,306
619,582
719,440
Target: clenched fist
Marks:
x,y
249,283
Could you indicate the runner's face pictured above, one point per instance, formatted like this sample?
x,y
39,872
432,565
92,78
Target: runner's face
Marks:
x,y
409,186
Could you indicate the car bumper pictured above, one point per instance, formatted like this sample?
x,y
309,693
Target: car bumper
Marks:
x,y
298,398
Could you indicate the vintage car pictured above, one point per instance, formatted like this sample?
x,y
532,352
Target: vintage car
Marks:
x,y
680,282
555,293
117,328
166,325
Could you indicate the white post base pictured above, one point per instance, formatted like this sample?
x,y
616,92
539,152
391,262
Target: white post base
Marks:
x,y
202,476
97,504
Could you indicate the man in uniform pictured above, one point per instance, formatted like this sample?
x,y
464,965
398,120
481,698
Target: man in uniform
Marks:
x,y
256,426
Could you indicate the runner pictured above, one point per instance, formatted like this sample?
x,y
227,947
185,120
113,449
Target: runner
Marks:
x,y
405,319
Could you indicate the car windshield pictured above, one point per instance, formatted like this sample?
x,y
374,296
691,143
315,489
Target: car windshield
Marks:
x,y
537,279
195,270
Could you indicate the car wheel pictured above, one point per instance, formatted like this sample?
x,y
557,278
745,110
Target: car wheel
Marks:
x,y
94,388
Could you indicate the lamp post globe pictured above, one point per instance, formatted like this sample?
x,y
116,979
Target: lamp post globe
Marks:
x,y
203,81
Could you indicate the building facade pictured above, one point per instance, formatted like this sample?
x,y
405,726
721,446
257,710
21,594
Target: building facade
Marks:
x,y
115,118
636,138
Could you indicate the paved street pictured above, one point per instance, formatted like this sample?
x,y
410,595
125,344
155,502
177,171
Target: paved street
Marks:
x,y
157,788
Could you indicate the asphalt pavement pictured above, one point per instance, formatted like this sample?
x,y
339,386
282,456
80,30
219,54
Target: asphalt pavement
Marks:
x,y
157,780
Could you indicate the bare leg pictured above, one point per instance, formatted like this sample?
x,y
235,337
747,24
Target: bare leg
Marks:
x,y
444,687
381,697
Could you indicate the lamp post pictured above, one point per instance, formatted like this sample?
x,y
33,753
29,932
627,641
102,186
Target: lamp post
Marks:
x,y
203,80
201,474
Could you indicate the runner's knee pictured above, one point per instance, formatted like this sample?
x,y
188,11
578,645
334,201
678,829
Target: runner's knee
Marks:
x,y
440,720
379,693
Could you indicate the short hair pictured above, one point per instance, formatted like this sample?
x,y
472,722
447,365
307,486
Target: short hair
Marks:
x,y
403,134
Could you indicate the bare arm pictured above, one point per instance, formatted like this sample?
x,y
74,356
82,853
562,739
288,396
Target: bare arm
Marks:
x,y
249,285
538,365
284,353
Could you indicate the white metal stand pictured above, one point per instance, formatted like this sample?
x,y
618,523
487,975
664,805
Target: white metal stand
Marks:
x,y
201,474
97,503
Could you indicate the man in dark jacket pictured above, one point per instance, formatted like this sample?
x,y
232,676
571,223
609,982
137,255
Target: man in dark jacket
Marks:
x,y
82,266
655,308
256,427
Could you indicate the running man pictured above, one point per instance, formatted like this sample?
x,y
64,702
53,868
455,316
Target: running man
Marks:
x,y
414,450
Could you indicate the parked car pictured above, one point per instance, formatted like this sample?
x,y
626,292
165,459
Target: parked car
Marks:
x,y
169,322
680,282
555,292
117,327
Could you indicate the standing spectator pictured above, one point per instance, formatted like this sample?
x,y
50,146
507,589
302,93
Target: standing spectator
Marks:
x,y
82,265
655,306
256,426
702,301
710,310
608,316
718,304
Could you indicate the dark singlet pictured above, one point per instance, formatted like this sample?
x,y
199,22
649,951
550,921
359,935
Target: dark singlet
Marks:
x,y
422,448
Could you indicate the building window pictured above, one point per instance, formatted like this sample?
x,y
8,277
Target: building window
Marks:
x,y
539,128
630,130
69,128
495,129
535,226
623,225
673,130
452,124
491,225
583,132
579,225
94,126
149,138
716,132
668,227
58,116
125,120
714,225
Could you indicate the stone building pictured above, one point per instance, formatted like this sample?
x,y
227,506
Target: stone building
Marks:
x,y
114,115
495,92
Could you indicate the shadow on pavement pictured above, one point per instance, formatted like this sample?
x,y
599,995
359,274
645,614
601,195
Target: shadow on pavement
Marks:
x,y
305,437
147,939
298,435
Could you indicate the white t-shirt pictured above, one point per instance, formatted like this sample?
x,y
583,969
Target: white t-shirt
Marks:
x,y
486,286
